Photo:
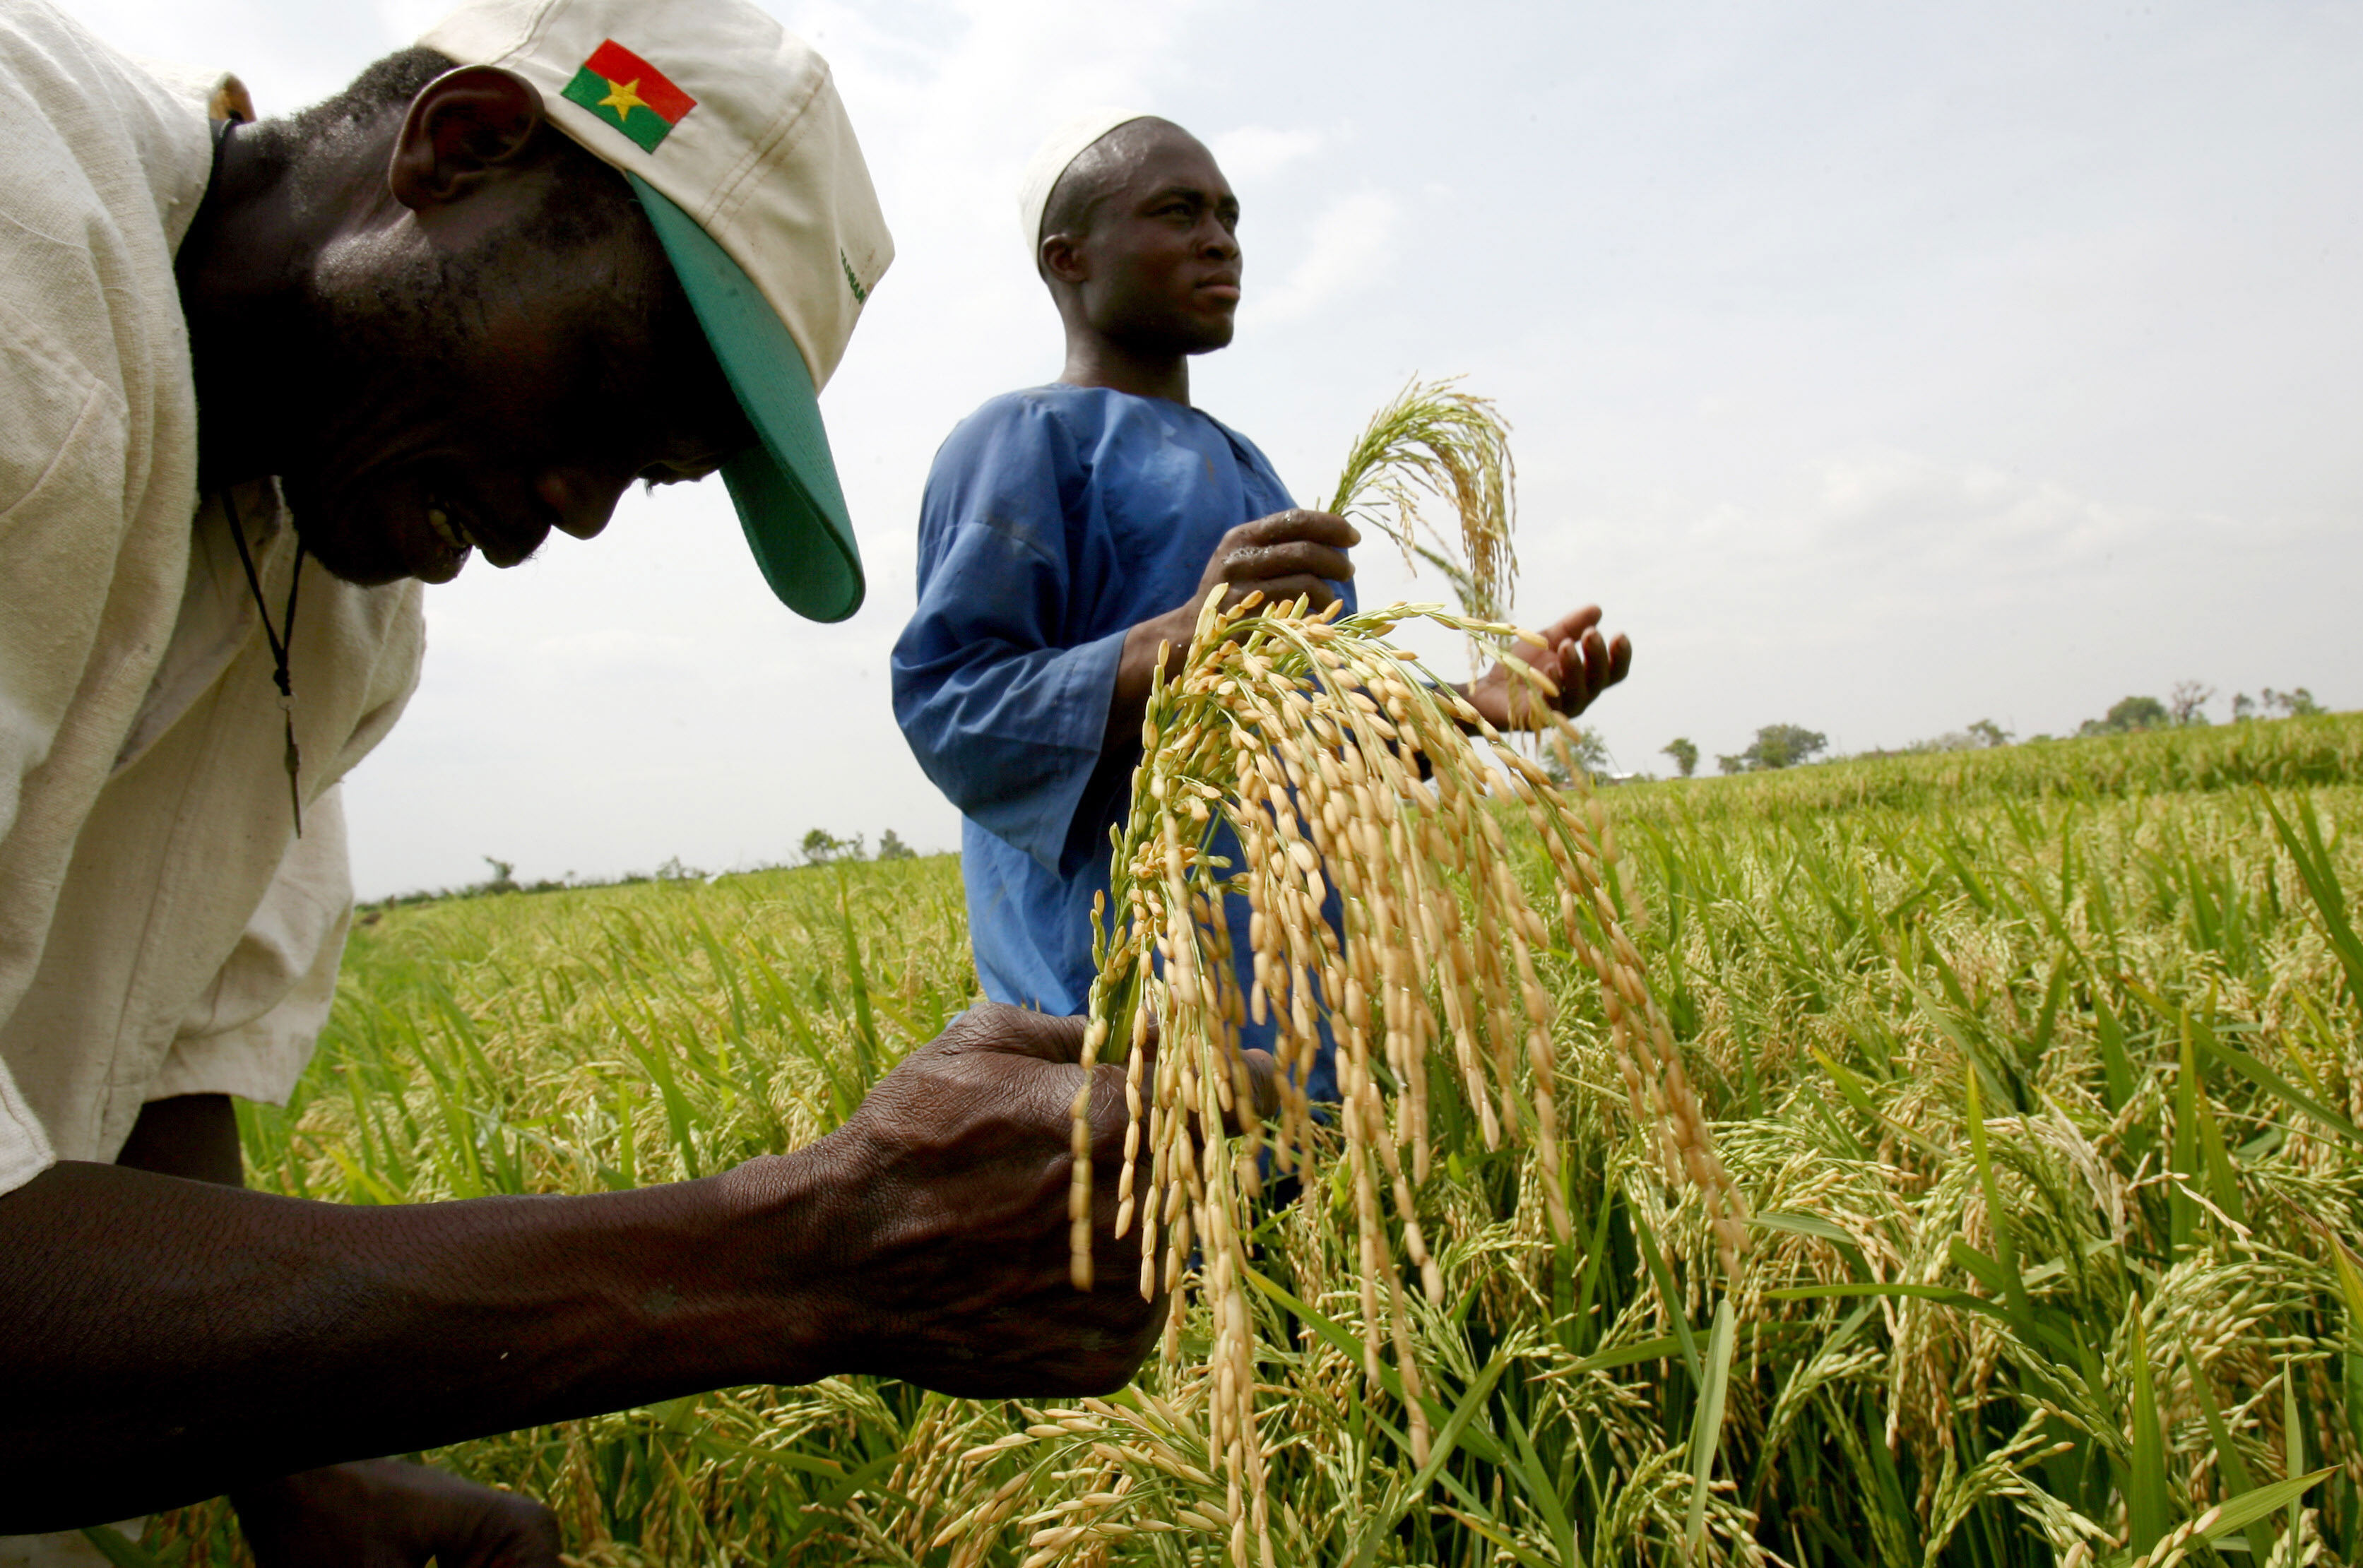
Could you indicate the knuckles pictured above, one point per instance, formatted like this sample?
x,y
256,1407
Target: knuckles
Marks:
x,y
954,1178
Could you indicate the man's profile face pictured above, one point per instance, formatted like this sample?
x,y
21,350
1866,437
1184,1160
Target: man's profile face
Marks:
x,y
1162,251
480,377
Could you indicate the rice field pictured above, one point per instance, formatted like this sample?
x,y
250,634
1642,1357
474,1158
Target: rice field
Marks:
x,y
2039,1070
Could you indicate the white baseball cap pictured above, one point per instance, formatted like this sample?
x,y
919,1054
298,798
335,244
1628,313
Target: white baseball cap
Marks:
x,y
732,135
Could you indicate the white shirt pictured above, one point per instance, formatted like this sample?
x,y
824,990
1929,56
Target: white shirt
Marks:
x,y
163,930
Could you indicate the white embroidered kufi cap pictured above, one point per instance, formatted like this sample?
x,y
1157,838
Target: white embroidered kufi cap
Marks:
x,y
1065,145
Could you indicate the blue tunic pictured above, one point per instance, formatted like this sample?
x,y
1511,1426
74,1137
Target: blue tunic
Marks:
x,y
1054,520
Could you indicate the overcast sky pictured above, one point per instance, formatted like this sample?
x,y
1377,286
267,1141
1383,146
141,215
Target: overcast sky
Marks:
x,y
1880,368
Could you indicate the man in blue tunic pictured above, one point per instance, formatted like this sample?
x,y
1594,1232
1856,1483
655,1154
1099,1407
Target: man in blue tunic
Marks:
x,y
1069,532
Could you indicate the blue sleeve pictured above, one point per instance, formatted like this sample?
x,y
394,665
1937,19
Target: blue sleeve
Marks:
x,y
1005,721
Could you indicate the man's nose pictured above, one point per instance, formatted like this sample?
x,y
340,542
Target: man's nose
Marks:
x,y
581,504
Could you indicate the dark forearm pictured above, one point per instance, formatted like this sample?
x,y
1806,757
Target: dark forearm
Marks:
x,y
1136,671
170,1340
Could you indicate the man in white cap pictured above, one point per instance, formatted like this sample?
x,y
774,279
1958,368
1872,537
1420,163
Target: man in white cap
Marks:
x,y
562,246
1067,532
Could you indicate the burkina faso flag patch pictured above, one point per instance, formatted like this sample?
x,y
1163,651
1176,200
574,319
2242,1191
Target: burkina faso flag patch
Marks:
x,y
629,93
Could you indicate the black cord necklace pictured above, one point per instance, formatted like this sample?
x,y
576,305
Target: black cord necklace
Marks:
x,y
279,641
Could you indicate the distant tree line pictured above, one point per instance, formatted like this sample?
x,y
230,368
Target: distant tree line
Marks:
x,y
1788,745
2186,705
822,847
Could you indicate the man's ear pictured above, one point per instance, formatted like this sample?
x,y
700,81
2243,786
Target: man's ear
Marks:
x,y
465,129
1063,260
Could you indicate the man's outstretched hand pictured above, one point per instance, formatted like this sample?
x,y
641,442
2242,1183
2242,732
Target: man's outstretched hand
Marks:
x,y
945,1198
1575,657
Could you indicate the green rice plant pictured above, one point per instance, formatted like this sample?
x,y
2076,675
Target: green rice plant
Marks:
x,y
1935,1357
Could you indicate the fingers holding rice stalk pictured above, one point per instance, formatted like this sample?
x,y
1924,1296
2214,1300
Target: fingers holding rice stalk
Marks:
x,y
1308,735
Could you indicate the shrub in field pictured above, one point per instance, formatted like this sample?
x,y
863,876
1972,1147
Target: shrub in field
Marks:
x,y
2040,1068
2126,715
1777,746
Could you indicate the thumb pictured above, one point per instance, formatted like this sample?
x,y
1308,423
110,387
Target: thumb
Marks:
x,y
1570,627
1263,1080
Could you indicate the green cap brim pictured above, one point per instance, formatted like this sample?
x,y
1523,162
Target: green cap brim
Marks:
x,y
785,485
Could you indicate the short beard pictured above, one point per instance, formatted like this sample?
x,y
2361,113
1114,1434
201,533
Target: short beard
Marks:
x,y
405,326
397,332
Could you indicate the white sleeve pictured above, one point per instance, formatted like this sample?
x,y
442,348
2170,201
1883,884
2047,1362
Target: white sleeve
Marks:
x,y
251,1034
23,1147
62,437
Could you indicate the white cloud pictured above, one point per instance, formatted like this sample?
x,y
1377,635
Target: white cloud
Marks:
x,y
1252,153
1349,249
1965,521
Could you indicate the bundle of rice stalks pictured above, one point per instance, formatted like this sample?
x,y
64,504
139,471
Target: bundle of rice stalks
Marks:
x,y
1336,759
1435,442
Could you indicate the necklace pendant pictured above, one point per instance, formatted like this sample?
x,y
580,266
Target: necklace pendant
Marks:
x,y
295,770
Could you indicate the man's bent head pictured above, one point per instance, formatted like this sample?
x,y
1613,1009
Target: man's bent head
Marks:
x,y
484,341
1139,241
562,246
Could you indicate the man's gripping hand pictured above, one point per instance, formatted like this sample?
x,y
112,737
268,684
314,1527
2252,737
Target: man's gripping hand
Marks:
x,y
1282,557
946,1233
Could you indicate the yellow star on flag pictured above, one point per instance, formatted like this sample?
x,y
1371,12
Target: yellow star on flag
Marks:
x,y
623,97
623,91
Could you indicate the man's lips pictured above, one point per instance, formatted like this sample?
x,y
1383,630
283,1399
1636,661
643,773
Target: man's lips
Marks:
x,y
451,533
461,531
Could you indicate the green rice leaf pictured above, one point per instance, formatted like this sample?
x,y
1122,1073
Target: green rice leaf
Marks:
x,y
2350,1288
2321,878
2273,1083
2257,1502
2183,1214
2006,1251
2227,1452
118,1547
2292,1436
2116,1066
1666,1295
1347,1342
1626,1356
1706,1425
2148,1512
1942,1295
